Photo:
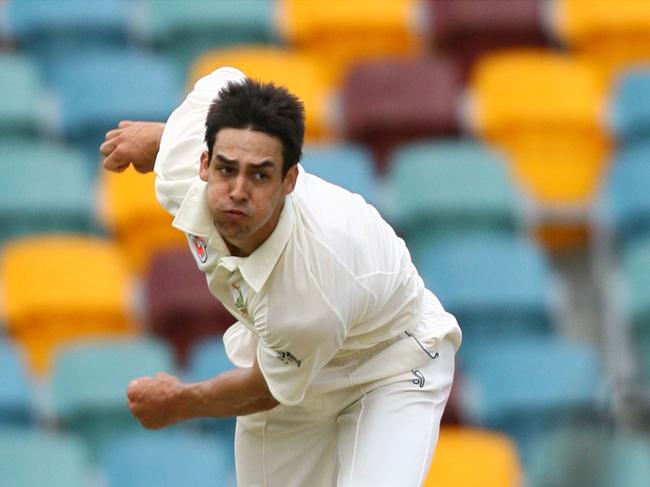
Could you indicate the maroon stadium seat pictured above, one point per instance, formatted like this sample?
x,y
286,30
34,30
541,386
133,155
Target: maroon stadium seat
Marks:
x,y
392,101
180,307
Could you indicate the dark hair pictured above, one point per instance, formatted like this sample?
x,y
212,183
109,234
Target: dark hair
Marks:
x,y
263,107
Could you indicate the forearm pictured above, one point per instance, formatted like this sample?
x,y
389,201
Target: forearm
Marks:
x,y
232,393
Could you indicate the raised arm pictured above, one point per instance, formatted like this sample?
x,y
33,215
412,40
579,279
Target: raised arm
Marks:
x,y
134,143
164,400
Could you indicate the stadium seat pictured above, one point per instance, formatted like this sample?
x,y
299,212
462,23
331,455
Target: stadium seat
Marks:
x,y
16,398
629,108
465,30
96,92
343,33
30,458
53,31
130,211
166,460
492,456
629,463
528,386
624,203
509,293
348,165
58,288
635,268
544,109
392,101
180,307
89,384
186,29
20,97
208,359
43,188
612,35
451,187
302,73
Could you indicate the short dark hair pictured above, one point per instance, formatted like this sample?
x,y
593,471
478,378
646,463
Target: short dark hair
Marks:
x,y
263,107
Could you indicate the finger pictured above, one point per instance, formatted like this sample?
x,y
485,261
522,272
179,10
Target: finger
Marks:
x,y
112,133
125,123
107,147
112,164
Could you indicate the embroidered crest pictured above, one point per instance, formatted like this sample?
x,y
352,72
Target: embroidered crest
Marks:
x,y
287,358
200,248
238,298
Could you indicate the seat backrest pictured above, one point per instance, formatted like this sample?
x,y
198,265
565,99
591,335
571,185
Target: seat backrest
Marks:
x,y
493,457
387,102
167,460
16,397
32,457
300,72
629,108
20,96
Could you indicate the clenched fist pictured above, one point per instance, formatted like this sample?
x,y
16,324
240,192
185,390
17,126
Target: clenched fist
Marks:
x,y
134,143
156,401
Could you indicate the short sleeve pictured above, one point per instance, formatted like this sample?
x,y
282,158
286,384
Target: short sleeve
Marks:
x,y
178,161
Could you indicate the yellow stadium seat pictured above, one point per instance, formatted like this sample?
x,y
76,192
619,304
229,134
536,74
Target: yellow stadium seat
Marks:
x,y
301,73
129,208
60,288
544,109
467,457
342,33
612,34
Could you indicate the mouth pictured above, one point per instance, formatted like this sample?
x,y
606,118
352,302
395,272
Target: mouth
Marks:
x,y
235,213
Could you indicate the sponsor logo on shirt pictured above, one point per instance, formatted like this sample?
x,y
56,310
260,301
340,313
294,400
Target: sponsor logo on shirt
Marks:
x,y
238,298
419,378
288,358
200,248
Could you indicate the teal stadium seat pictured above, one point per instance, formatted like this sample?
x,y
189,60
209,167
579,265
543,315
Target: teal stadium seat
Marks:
x,y
451,187
495,285
167,460
55,31
207,359
32,458
90,380
348,165
43,188
98,91
635,267
624,204
16,397
629,109
529,386
20,98
186,29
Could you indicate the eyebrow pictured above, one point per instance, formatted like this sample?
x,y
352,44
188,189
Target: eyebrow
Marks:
x,y
259,165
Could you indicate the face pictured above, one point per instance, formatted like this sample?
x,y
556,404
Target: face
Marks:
x,y
246,190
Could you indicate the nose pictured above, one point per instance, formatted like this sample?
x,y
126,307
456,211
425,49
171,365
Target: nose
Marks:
x,y
239,189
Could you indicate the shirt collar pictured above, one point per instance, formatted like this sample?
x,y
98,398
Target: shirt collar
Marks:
x,y
194,217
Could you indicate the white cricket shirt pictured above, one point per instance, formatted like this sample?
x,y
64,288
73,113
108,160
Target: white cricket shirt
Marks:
x,y
332,279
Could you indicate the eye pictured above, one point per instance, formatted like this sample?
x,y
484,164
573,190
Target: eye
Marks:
x,y
260,176
225,170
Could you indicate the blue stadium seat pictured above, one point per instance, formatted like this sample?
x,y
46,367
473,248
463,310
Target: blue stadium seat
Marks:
x,y
346,165
43,188
207,359
16,398
624,205
90,380
20,97
629,109
186,29
53,31
96,92
494,284
30,458
528,386
167,460
450,187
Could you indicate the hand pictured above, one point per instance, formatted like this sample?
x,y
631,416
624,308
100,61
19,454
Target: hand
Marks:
x,y
154,401
134,143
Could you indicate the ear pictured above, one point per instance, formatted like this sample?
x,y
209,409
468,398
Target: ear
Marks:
x,y
290,179
205,163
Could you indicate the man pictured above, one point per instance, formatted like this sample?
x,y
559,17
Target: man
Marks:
x,y
344,360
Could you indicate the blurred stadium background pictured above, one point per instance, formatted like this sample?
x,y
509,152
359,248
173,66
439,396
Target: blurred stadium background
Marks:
x,y
508,142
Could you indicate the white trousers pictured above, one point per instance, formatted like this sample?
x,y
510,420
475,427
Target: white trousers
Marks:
x,y
378,435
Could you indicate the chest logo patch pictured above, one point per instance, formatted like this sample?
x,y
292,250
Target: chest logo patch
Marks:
x,y
240,302
288,358
200,248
